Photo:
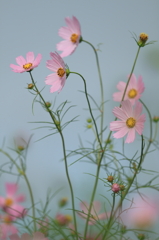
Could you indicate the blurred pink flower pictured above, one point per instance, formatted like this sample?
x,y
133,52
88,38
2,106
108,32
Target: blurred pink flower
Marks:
x,y
133,92
115,187
10,203
142,214
6,226
131,121
58,79
26,65
94,214
63,220
71,33
26,236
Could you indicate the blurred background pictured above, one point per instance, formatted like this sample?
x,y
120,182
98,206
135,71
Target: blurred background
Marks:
x,y
33,26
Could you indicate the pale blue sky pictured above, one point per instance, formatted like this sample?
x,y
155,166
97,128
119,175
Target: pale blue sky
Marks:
x,y
33,25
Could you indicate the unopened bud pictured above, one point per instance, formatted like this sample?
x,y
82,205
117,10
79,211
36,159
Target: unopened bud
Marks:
x,y
141,236
48,104
122,187
21,148
89,126
30,86
110,178
155,119
115,187
89,120
108,141
142,39
123,229
63,202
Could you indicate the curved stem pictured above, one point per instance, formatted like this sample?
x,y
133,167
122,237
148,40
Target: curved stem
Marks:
x,y
32,199
64,152
151,133
89,106
101,87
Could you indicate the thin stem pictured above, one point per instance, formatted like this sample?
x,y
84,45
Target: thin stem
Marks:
x,y
32,199
22,172
89,106
111,214
101,87
64,152
103,150
151,132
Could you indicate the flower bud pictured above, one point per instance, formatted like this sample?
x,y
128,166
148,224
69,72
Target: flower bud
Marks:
x,y
20,148
155,119
63,202
141,236
123,229
108,141
30,86
142,39
122,187
48,104
89,120
115,187
89,126
110,178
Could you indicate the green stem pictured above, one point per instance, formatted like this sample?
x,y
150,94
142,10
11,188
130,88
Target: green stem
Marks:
x,y
111,214
151,133
64,152
103,150
32,199
101,87
89,106
133,178
22,172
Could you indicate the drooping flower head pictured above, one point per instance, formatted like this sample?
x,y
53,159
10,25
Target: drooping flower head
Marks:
x,y
10,203
131,121
133,92
94,214
7,226
57,79
26,236
26,65
72,34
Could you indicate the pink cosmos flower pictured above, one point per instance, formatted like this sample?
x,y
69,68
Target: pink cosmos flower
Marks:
x,y
63,220
10,203
94,216
7,227
131,121
58,79
142,214
26,65
71,33
115,187
133,92
26,236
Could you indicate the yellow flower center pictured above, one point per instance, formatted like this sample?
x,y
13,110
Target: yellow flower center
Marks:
x,y
132,93
7,220
27,66
8,202
130,122
74,37
68,218
60,72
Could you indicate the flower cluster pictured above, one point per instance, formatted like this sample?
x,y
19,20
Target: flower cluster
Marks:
x,y
11,208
